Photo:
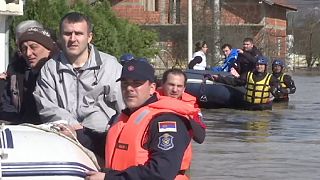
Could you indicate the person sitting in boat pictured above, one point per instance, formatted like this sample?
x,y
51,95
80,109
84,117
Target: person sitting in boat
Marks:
x,y
16,69
247,56
229,64
259,85
199,61
174,83
287,85
17,102
79,85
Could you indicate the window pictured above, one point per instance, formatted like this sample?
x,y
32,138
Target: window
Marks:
x,y
150,5
174,12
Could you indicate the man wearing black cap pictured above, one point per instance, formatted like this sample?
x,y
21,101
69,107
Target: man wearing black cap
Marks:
x,y
18,104
150,139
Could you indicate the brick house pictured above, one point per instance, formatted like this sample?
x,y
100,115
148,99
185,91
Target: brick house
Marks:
x,y
264,20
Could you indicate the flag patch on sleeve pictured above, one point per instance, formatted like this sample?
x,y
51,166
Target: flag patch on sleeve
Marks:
x,y
167,126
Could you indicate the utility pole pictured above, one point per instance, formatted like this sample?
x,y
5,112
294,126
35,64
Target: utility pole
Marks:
x,y
216,32
190,42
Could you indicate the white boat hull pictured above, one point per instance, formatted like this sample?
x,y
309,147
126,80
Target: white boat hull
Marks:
x,y
34,153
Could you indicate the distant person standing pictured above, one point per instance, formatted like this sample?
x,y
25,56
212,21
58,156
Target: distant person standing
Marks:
x,y
199,61
287,85
247,56
259,85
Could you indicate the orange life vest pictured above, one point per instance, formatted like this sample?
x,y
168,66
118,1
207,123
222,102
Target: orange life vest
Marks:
x,y
188,98
125,139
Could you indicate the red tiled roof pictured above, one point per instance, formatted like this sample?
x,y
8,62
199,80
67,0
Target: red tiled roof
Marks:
x,y
282,3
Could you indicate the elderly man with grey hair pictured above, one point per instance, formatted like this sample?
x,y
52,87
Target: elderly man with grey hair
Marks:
x,y
20,29
14,79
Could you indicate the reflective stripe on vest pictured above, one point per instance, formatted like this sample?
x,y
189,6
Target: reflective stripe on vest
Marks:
x,y
282,85
257,92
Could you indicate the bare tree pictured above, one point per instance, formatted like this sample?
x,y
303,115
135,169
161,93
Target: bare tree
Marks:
x,y
307,37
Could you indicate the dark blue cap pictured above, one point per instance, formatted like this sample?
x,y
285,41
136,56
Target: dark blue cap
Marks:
x,y
126,57
137,70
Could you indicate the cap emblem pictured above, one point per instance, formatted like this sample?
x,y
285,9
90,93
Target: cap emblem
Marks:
x,y
131,68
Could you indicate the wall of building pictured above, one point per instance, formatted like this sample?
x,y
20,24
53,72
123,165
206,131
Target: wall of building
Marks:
x,y
135,11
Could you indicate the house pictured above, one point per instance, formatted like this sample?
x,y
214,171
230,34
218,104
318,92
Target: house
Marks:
x,y
7,8
216,21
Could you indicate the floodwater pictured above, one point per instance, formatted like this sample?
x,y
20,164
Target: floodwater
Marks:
x,y
283,143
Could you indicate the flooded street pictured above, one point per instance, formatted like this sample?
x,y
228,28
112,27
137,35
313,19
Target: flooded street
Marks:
x,y
280,144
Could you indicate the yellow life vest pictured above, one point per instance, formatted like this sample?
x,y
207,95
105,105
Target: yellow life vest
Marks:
x,y
282,85
281,80
257,92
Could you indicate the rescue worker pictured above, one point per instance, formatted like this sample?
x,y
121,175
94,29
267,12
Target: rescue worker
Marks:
x,y
259,85
287,85
174,83
150,137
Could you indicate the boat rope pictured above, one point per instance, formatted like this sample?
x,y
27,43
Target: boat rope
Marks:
x,y
54,128
203,97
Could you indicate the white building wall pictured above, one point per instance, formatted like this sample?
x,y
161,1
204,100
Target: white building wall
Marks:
x,y
4,58
6,10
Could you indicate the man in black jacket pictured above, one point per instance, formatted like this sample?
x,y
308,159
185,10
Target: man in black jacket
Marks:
x,y
247,56
17,102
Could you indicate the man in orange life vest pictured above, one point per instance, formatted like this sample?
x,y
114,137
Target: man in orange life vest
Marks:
x,y
150,137
174,83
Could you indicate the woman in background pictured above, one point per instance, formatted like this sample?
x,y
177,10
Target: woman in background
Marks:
x,y
199,60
